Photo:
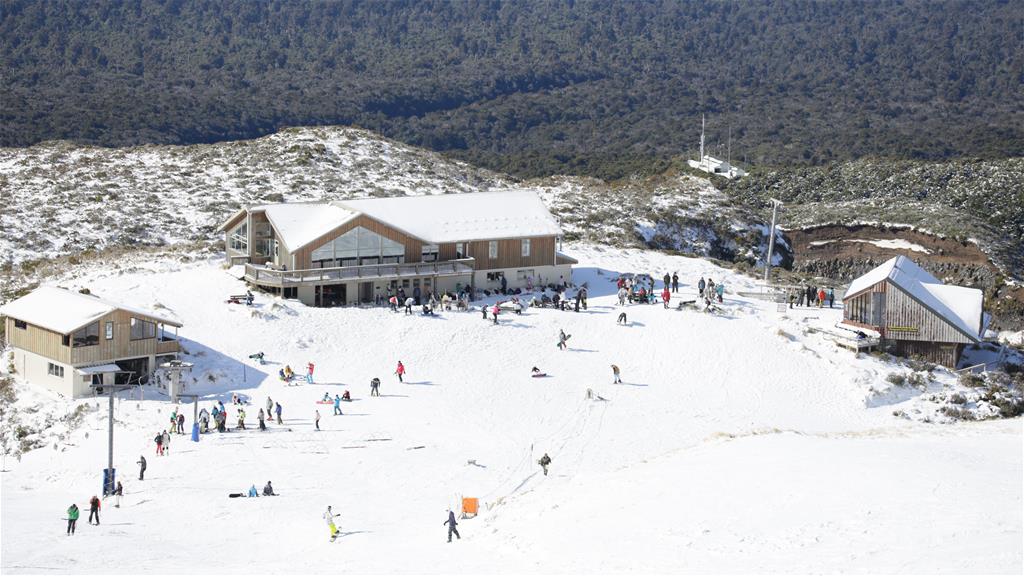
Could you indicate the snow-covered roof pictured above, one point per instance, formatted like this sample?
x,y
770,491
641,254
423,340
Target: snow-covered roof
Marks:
x,y
958,305
299,224
65,311
461,217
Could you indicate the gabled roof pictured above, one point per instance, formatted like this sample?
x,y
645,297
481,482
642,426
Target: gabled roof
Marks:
x,y
961,307
461,217
65,311
299,224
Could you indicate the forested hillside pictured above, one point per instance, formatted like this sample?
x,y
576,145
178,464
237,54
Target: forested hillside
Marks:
x,y
602,88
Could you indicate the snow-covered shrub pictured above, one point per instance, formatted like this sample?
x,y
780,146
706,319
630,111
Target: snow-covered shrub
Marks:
x,y
916,380
957,398
896,378
957,413
971,380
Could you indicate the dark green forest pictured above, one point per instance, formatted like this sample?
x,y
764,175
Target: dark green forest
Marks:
x,y
603,88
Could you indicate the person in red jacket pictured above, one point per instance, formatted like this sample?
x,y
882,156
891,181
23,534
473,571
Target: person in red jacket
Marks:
x,y
821,297
400,370
666,295
94,509
309,373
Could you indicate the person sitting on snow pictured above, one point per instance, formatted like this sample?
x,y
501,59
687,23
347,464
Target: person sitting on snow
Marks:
x,y
268,490
346,397
327,396
252,492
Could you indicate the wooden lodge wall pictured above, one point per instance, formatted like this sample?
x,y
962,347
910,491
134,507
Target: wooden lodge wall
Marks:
x,y
908,319
39,341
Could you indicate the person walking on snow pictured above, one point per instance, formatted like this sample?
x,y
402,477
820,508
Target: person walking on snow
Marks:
x,y
617,374
452,526
831,297
317,420
329,516
277,410
544,462
675,282
374,388
821,297
118,493
142,466
337,403
562,339
666,295
720,290
262,419
241,419
94,509
309,373
270,406
667,280
700,286
72,518
159,444
181,423
400,371
494,312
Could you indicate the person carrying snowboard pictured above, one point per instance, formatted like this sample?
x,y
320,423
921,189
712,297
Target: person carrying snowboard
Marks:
x,y
400,371
94,509
73,513
374,387
562,339
329,516
544,462
337,404
452,526
277,410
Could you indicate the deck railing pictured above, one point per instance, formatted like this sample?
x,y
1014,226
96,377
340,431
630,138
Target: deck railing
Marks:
x,y
287,278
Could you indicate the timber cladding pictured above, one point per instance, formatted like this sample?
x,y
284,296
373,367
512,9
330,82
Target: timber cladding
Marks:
x,y
542,248
38,340
908,319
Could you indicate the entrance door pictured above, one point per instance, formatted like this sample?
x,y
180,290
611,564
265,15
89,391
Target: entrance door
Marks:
x,y
366,292
333,295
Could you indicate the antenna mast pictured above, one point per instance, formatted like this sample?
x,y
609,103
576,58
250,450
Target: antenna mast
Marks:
x,y
701,158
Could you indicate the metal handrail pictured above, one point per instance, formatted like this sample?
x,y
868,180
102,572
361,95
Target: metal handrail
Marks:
x,y
269,276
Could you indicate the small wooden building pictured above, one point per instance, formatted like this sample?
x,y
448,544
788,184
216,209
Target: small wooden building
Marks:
x,y
914,313
73,343
354,251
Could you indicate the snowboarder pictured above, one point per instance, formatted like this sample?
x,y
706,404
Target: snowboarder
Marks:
x,y
248,298
142,466
452,526
277,410
375,387
719,291
622,319
261,418
337,404
562,339
544,462
317,421
253,493
346,397
700,286
309,373
329,516
536,373
118,493
616,374
268,490
94,509
400,371
675,282
257,357
72,518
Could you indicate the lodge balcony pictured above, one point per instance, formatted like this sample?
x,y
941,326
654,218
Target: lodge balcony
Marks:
x,y
274,278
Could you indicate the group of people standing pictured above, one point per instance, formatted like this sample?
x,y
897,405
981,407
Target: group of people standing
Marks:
x,y
813,296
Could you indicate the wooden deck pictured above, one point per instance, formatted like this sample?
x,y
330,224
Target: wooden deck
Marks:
x,y
263,276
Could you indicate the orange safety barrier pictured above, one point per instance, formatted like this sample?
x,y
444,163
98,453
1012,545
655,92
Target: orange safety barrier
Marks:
x,y
470,506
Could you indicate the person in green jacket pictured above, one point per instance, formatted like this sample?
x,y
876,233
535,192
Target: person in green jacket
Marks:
x,y
72,518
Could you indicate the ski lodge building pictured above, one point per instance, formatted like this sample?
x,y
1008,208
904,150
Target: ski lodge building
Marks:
x,y
74,343
351,251
914,313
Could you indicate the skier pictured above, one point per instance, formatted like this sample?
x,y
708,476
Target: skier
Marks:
x,y
72,518
142,466
700,286
562,339
241,419
400,371
329,516
309,373
94,509
317,420
666,295
622,319
337,405
277,410
118,493
615,372
261,417
181,423
268,490
374,387
544,462
452,526
675,282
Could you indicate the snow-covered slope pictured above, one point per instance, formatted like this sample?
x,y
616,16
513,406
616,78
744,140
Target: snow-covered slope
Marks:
x,y
740,442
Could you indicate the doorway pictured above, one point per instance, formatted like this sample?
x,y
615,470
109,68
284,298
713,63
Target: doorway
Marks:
x,y
366,292
333,295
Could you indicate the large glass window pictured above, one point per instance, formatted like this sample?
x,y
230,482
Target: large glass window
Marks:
x,y
358,246
492,249
430,252
108,330
460,250
86,336
239,238
526,247
142,329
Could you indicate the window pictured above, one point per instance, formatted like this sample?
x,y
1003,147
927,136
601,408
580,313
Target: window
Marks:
x,y
526,246
86,336
460,250
429,253
54,370
492,249
108,330
20,324
142,329
238,239
66,340
359,246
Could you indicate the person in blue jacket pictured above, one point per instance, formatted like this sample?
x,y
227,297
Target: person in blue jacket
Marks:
x,y
337,405
253,493
452,526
